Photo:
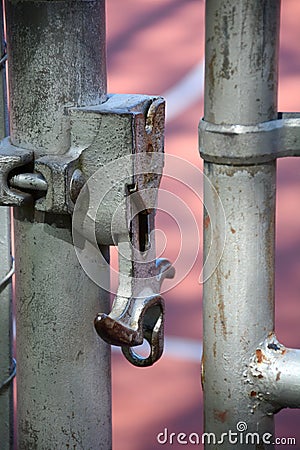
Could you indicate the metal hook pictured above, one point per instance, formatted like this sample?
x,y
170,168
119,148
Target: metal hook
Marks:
x,y
134,319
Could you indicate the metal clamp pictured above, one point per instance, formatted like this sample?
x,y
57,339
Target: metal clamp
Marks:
x,y
250,144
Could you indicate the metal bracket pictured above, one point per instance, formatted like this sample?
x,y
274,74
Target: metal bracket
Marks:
x,y
250,144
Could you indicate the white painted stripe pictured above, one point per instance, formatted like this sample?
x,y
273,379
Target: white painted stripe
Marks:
x,y
189,89
175,347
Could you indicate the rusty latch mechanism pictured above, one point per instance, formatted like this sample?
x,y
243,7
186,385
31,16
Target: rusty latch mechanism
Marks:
x,y
108,180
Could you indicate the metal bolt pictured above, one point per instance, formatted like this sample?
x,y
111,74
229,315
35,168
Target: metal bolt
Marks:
x,y
31,181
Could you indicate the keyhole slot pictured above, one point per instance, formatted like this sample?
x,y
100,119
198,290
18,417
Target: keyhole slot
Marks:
x,y
144,229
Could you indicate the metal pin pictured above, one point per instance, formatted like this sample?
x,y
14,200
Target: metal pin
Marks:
x,y
31,181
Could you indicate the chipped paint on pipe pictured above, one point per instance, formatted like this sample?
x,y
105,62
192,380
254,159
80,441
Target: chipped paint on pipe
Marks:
x,y
57,60
238,297
274,374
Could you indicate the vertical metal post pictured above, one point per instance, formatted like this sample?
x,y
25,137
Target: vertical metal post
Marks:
x,y
6,393
240,88
57,59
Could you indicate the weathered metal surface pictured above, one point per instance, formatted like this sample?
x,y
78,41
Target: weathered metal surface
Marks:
x,y
117,207
6,272
58,48
57,61
6,411
63,367
250,144
29,181
11,158
123,125
241,71
240,90
99,135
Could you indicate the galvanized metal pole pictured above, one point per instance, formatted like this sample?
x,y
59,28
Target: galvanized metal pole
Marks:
x,y
6,361
240,88
57,60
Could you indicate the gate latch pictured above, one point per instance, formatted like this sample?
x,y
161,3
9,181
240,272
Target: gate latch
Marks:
x,y
108,180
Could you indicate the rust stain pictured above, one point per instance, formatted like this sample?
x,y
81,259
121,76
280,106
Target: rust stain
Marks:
x,y
220,415
222,317
278,376
206,222
253,394
233,231
283,351
215,349
259,355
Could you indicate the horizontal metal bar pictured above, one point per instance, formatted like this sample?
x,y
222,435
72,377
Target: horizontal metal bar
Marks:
x,y
250,144
274,372
31,181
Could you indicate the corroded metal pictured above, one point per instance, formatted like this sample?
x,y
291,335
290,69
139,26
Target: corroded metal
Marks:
x,y
238,297
12,158
274,376
29,181
118,205
133,319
